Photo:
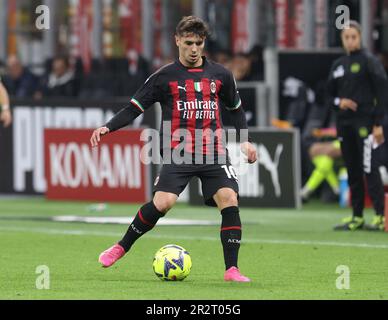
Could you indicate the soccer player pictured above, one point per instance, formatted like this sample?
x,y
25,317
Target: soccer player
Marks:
x,y
357,86
191,92
5,115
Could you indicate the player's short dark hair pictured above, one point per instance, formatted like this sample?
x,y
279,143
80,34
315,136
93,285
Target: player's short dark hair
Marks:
x,y
355,25
192,25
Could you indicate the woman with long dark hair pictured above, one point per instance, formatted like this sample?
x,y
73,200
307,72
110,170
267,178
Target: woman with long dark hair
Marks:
x,y
357,86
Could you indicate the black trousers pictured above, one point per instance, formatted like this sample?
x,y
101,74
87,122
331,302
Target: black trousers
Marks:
x,y
359,157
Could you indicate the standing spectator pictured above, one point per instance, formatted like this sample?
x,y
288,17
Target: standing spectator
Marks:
x,y
357,86
19,81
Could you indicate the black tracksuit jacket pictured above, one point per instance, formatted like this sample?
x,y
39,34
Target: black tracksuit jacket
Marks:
x,y
361,77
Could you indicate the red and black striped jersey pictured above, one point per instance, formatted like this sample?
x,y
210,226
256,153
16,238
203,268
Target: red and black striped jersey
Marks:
x,y
191,99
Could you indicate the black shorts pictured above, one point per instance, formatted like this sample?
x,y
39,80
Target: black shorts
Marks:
x,y
174,178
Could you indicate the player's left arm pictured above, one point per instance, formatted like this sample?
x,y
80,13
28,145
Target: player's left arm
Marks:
x,y
379,80
233,104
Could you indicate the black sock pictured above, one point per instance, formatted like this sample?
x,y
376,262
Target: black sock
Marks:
x,y
144,221
231,235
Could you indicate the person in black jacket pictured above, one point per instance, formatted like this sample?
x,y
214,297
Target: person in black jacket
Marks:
x,y
61,82
357,86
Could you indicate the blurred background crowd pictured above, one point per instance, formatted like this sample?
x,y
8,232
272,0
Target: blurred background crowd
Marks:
x,y
113,77
107,48
100,48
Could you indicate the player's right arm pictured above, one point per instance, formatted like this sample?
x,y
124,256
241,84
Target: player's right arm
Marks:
x,y
339,103
145,97
121,119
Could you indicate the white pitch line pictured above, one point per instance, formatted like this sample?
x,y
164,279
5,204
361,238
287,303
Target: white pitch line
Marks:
x,y
185,237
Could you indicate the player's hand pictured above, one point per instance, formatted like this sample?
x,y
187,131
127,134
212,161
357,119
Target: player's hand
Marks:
x,y
97,134
348,104
378,135
6,117
250,151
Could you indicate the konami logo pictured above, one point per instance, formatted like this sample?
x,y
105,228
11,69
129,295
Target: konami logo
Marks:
x,y
74,165
112,172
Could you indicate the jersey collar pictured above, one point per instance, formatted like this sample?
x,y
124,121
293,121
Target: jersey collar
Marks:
x,y
196,69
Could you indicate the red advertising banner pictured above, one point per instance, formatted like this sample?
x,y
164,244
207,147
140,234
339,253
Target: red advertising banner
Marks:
x,y
158,55
240,28
297,25
290,23
321,32
112,172
81,20
282,33
12,25
129,12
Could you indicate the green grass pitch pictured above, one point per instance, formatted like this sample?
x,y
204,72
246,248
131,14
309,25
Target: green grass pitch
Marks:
x,y
288,254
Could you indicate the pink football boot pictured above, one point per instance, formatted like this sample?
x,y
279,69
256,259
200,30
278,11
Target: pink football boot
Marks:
x,y
233,274
111,255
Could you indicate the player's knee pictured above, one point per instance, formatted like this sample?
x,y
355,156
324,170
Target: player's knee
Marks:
x,y
164,205
164,202
226,198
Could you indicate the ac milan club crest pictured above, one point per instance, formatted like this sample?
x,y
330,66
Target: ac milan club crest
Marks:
x,y
213,87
